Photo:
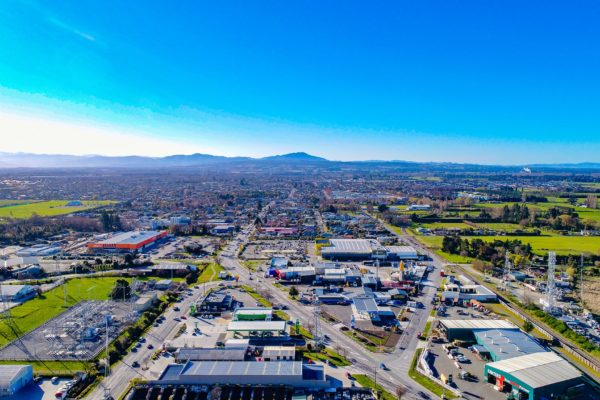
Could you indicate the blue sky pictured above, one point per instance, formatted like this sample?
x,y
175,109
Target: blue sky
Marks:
x,y
482,81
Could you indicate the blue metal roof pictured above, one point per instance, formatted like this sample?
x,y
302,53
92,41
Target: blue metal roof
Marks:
x,y
507,343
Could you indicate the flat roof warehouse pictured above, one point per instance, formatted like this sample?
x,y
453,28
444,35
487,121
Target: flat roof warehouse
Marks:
x,y
129,240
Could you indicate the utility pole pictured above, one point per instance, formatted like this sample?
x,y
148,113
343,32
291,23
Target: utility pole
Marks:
x,y
581,281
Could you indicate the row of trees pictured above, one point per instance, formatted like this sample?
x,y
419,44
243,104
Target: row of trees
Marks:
x,y
493,251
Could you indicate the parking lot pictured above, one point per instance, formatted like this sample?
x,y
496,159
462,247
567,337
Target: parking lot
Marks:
x,y
266,249
474,386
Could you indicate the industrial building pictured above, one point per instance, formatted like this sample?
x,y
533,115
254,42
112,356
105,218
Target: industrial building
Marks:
x,y
463,329
366,249
350,249
534,376
211,354
401,253
129,241
287,373
16,293
502,344
38,250
13,378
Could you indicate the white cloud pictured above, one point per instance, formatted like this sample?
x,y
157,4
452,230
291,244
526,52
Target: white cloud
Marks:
x,y
36,134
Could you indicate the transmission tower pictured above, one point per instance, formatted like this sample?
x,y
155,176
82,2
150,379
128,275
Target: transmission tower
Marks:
x,y
506,272
317,322
551,285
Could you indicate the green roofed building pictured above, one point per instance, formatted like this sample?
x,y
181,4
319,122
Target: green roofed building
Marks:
x,y
253,314
535,376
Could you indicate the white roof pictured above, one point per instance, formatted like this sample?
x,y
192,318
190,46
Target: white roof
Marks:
x,y
357,246
538,369
281,351
254,311
9,372
478,324
257,326
401,250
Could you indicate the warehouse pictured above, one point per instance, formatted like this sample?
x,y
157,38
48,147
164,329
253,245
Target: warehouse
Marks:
x,y
350,249
296,274
129,241
396,253
211,354
463,329
288,373
13,378
502,344
16,293
534,376
467,293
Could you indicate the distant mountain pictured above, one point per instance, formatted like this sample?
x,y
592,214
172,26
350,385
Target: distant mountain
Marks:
x,y
27,160
300,156
295,160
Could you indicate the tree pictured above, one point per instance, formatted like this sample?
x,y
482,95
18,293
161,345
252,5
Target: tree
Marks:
x,y
294,291
382,208
527,326
400,391
570,272
121,290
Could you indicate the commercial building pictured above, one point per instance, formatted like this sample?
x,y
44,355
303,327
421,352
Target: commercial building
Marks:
x,y
13,378
257,329
169,269
16,293
215,302
253,314
296,274
287,373
129,241
534,376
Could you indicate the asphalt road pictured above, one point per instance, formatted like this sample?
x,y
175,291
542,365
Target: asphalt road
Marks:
x,y
123,372
397,362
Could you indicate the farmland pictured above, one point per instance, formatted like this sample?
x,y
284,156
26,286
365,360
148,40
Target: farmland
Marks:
x,y
35,312
562,245
12,209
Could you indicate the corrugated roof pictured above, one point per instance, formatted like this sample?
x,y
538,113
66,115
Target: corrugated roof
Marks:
x,y
477,324
357,246
133,237
12,290
211,354
507,343
9,372
538,369
242,368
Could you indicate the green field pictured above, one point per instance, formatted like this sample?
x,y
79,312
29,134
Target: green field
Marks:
x,y
447,225
584,213
541,244
35,312
210,273
560,244
47,208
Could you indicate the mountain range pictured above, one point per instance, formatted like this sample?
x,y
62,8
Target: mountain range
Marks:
x,y
29,160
